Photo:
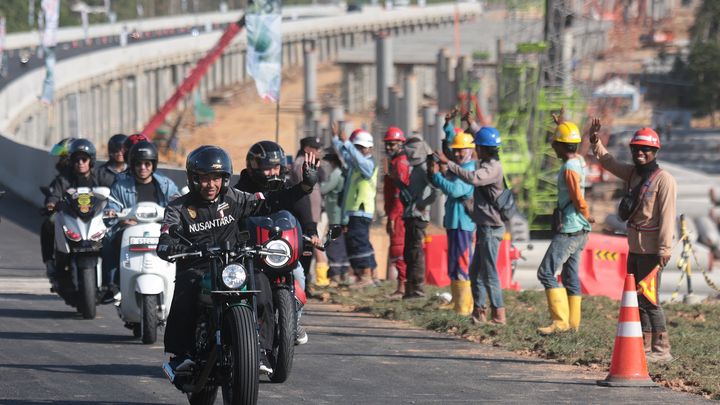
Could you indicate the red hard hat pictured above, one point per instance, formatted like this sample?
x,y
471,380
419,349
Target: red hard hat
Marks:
x,y
394,134
646,137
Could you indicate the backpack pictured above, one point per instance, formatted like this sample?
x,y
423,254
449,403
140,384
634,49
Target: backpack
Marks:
x,y
504,204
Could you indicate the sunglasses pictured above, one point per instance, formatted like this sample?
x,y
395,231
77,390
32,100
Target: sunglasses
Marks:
x,y
643,149
81,159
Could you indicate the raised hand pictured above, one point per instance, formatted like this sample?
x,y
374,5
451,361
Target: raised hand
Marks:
x,y
452,114
337,131
560,117
310,174
594,130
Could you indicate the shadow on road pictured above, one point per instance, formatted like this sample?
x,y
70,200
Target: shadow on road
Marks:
x,y
70,337
134,370
36,313
73,402
420,357
368,335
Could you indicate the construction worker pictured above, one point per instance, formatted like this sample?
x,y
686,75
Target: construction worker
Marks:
x,y
566,247
416,197
487,177
398,171
649,208
358,206
457,221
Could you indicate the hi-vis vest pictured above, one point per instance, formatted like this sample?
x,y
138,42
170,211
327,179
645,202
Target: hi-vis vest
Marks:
x,y
361,192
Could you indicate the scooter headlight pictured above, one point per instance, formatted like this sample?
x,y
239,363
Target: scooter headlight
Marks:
x,y
277,260
234,276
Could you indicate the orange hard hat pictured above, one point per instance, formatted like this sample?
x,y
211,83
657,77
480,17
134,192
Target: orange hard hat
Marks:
x,y
646,137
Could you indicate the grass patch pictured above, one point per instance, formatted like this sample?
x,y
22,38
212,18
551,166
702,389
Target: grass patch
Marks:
x,y
694,331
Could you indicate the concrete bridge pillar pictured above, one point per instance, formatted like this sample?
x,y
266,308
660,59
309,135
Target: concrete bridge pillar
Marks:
x,y
310,105
410,105
384,69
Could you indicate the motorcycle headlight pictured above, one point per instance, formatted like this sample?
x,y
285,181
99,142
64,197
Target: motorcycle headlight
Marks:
x,y
279,260
234,276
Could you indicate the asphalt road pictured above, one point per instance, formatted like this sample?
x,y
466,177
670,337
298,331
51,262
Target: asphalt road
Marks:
x,y
50,355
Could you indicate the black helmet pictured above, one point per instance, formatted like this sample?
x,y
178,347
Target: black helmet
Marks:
x,y
208,159
266,155
143,150
82,146
116,143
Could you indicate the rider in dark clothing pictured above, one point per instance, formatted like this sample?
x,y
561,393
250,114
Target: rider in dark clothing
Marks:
x,y
81,154
116,163
212,213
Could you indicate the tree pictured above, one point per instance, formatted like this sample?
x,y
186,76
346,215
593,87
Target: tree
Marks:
x,y
703,66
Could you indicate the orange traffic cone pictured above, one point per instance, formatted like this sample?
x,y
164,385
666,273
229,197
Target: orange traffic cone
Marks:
x,y
628,367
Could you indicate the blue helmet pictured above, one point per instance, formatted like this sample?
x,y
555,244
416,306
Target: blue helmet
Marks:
x,y
488,136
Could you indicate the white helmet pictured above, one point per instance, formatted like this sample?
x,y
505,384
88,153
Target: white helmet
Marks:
x,y
362,138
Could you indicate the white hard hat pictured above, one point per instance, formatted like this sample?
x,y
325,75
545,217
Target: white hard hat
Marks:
x,y
363,138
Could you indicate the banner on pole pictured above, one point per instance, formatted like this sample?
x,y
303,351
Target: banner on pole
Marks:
x,y
51,10
264,51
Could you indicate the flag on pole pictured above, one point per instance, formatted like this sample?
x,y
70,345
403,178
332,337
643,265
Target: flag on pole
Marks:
x,y
51,10
264,51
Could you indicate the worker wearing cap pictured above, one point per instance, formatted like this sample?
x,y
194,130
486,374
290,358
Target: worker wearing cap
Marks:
x,y
571,235
358,206
311,144
652,194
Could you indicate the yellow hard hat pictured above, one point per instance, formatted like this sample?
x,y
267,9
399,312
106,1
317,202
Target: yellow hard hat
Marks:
x,y
567,132
462,141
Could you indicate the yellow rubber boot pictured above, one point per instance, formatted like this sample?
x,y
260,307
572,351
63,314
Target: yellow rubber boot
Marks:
x,y
464,302
559,311
454,290
575,304
321,274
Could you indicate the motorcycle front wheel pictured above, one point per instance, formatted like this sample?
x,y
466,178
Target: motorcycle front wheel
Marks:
x,y
149,318
285,330
240,348
87,299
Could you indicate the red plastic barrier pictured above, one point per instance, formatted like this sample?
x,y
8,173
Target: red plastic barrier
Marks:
x,y
436,257
603,265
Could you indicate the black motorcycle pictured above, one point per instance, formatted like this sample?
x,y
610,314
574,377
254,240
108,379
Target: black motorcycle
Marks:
x,y
226,337
281,231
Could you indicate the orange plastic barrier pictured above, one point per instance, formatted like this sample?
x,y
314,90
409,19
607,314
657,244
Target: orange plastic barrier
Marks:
x,y
603,265
436,257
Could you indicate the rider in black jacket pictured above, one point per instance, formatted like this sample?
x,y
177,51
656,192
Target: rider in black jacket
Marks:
x,y
81,153
210,214
266,171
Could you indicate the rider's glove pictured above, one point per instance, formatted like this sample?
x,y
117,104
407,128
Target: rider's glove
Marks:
x,y
310,176
164,251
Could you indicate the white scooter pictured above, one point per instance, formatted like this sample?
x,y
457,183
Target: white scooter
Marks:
x,y
79,231
147,282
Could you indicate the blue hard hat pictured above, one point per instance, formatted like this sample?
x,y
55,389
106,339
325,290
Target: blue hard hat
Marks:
x,y
488,136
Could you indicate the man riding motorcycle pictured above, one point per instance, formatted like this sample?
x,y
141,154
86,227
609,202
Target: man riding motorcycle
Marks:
x,y
141,183
266,171
81,154
116,163
210,214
